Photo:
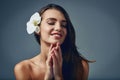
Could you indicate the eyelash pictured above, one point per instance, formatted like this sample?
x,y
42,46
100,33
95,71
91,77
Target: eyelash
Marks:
x,y
63,26
51,23
54,23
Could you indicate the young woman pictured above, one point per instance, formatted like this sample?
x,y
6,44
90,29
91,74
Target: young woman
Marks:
x,y
59,58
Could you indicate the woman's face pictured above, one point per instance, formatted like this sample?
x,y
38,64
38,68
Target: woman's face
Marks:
x,y
53,27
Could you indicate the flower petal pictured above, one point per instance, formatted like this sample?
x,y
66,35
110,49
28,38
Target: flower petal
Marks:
x,y
37,30
35,17
30,28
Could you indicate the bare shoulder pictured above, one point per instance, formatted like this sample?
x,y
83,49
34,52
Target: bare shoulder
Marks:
x,y
86,69
22,69
85,64
23,65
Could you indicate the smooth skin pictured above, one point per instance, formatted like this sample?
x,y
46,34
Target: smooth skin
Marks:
x,y
48,63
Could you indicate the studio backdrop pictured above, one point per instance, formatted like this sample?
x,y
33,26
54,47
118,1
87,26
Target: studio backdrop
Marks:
x,y
97,26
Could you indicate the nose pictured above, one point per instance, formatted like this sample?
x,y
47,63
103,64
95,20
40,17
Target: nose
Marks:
x,y
58,27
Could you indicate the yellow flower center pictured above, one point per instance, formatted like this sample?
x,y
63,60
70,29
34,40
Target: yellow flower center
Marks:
x,y
35,23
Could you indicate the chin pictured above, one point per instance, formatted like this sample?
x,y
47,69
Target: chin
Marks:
x,y
54,42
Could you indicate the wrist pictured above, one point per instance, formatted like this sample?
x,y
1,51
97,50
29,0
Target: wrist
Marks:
x,y
58,78
48,76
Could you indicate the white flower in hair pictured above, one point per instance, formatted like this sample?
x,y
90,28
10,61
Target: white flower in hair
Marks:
x,y
32,24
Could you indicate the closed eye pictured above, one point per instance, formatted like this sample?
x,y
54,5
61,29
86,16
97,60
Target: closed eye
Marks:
x,y
51,23
64,26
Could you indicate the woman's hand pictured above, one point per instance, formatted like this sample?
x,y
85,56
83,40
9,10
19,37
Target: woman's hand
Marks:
x,y
54,63
57,62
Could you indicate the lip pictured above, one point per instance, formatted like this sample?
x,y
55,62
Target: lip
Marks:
x,y
57,35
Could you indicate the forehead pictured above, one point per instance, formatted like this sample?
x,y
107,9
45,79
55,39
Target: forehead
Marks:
x,y
53,13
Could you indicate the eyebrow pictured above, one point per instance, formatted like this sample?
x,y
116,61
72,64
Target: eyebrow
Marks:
x,y
54,19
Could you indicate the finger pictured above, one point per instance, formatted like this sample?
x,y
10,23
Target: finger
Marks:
x,y
57,67
49,70
60,53
51,52
51,46
56,55
57,48
54,61
57,45
49,61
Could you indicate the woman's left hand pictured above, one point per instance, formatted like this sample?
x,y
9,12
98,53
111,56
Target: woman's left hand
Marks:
x,y
57,62
54,63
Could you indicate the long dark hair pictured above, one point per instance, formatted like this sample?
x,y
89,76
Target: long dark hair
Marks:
x,y
71,56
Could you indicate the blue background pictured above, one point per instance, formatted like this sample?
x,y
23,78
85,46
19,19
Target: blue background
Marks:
x,y
97,25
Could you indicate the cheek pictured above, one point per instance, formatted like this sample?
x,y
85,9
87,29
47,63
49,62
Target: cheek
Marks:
x,y
65,32
43,27
45,30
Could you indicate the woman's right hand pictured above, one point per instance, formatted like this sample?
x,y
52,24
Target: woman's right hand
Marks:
x,y
49,64
54,63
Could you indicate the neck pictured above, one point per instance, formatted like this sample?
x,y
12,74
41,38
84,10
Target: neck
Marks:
x,y
44,50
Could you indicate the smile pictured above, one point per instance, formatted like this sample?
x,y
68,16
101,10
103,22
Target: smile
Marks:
x,y
57,35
